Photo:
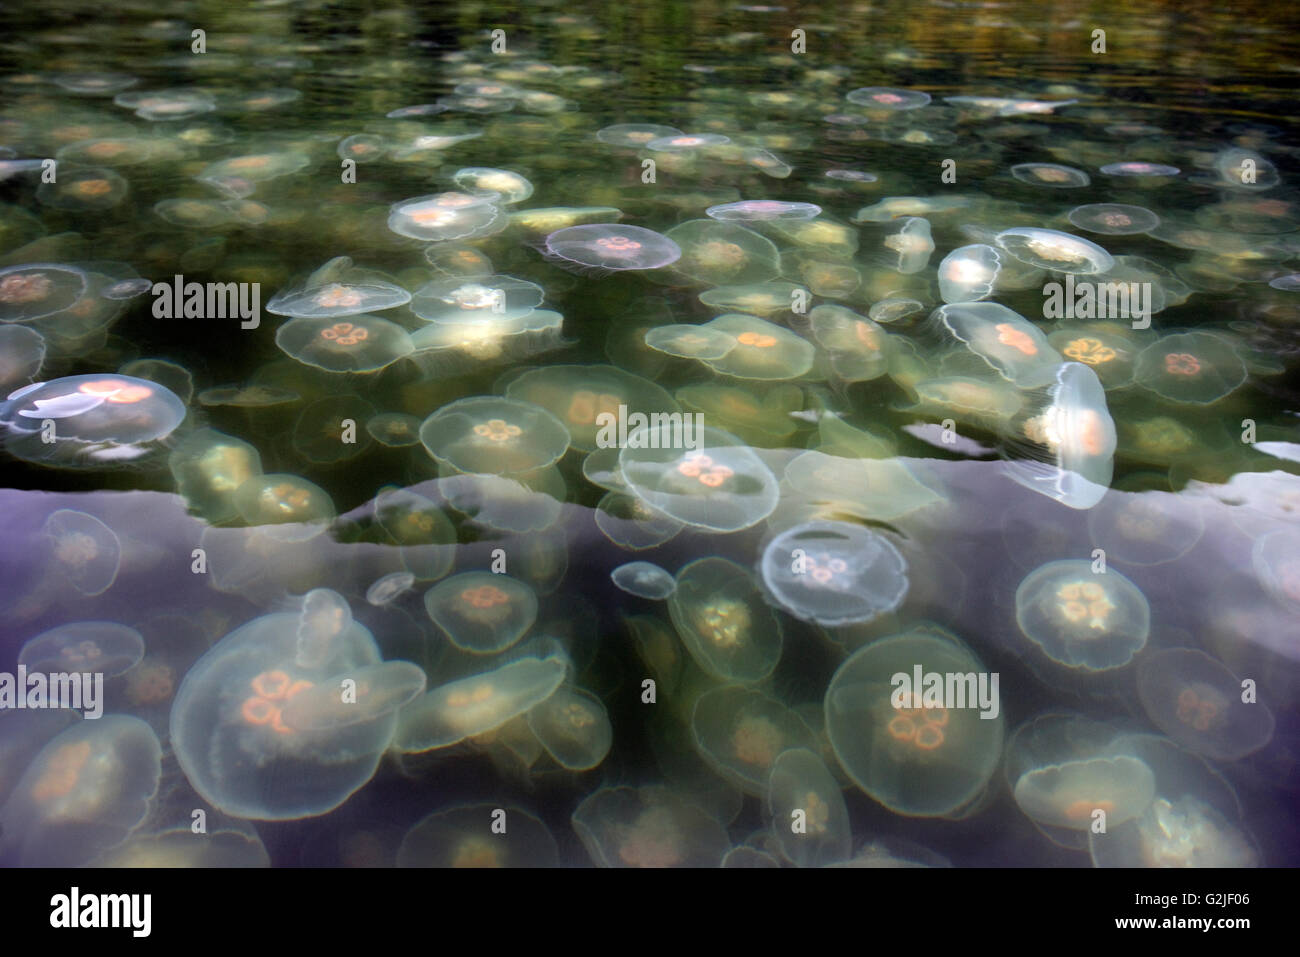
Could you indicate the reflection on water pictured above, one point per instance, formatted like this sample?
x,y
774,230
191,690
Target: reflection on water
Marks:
x,y
604,412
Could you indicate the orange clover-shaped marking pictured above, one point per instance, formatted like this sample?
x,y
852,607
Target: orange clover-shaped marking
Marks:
x,y
497,430
1091,351
271,691
1182,363
485,596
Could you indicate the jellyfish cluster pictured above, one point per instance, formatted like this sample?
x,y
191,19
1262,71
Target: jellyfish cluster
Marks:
x,y
488,460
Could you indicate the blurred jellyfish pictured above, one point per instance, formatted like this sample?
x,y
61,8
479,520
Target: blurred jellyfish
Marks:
x,y
208,467
360,696
809,818
497,299
1147,528
631,523
719,486
22,353
763,349
912,243
1135,169
645,580
465,837
756,299
688,342
1276,559
740,732
887,98
359,343
94,84
1050,174
1051,249
326,431
723,253
722,619
588,399
1011,345
468,707
967,274
648,827
542,221
1081,619
613,247
481,612
817,485
1071,440
277,498
255,167
33,290
1113,219
102,647
459,261
923,753
750,210
84,190
1245,169
857,346
573,726
85,550
362,148
84,792
394,429
1196,368
494,436
389,588
442,216
510,186
338,288
634,134
833,573
686,142
1202,705
895,309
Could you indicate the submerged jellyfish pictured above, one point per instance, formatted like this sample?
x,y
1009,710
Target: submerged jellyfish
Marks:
x,y
84,792
359,343
85,189
751,210
387,589
277,498
442,216
1011,345
1114,219
724,253
496,299
686,142
834,573
482,612
102,647
254,168
510,186
465,837
480,703
1276,559
1196,368
612,246
494,436
338,288
1080,619
22,353
1051,249
1137,168
719,486
912,243
645,580
85,549
1147,528
763,349
33,290
858,348
887,98
573,727
810,821
757,299
629,522
688,342
208,467
923,752
327,430
1071,435
648,827
968,274
1202,705
634,134
740,732
1050,174
394,429
723,621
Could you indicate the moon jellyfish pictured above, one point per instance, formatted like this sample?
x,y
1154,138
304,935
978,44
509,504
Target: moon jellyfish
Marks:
x,y
645,580
357,696
230,723
494,436
1136,168
858,347
87,189
1015,348
443,216
719,486
181,848
630,523
821,486
648,827
255,167
741,732
912,243
208,467
85,549
1196,368
968,273
687,142
744,856
1114,219
763,349
338,288
752,210
1083,620
510,186
33,290
755,299
894,309
634,134
480,835
1276,560
84,792
1147,528
1050,174
613,247
834,573
1072,436
387,589
887,98
538,222
1051,249
22,353
468,707
1108,349
574,727
689,342
101,647
724,253
361,343
810,821
276,499
1186,832
920,752
1202,705
481,612
394,429
497,299
722,619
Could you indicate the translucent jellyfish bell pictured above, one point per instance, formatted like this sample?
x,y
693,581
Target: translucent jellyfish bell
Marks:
x,y
858,348
645,580
510,186
388,588
481,612
1136,168
208,467
22,353
360,343
724,253
634,134
887,98
723,621
574,727
1071,440
86,189
1050,174
467,837
1068,795
443,216
1114,219
917,753
494,436
278,498
763,349
102,647
1276,560
1147,528
740,732
1014,347
84,792
648,827
32,290
912,245
687,142
752,210
1051,249
1196,368
834,573
1092,622
85,549
360,696
612,246
719,486
338,288
968,273
688,342
489,298
810,821
1199,703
